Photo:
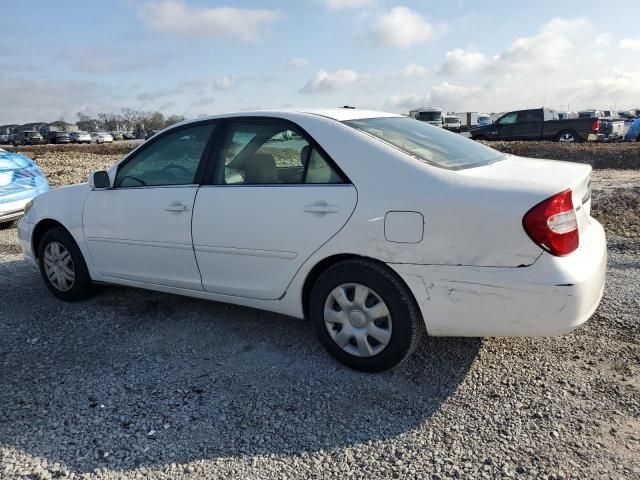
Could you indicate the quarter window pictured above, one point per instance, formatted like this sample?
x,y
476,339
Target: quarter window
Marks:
x,y
173,159
271,153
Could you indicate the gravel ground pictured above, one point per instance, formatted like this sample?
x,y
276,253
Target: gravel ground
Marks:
x,y
135,384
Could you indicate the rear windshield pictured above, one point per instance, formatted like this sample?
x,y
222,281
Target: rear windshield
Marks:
x,y
433,145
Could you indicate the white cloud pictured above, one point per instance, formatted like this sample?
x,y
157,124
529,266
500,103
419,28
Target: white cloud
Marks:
x,y
298,62
620,88
454,97
342,4
401,27
152,95
413,70
174,16
542,52
603,40
225,83
330,82
445,95
28,99
463,61
630,44
402,103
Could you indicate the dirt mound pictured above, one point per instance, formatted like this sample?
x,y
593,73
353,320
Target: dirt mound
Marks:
x,y
618,210
598,155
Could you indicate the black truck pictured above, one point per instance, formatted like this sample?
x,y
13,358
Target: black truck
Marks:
x,y
543,124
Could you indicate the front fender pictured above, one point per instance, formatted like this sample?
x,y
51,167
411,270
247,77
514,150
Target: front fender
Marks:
x,y
65,206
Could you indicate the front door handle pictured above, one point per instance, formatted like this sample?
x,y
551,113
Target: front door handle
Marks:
x,y
321,208
176,207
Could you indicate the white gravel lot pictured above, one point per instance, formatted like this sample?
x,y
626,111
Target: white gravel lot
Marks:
x,y
136,384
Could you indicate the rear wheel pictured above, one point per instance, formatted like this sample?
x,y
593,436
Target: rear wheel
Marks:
x,y
480,138
568,137
365,316
62,266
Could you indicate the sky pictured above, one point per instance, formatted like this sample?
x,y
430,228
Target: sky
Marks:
x,y
198,57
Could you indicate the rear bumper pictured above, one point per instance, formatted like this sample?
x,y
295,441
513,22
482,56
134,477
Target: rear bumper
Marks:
x,y
600,137
551,297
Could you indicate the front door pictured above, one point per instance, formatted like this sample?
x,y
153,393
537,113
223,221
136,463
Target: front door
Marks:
x,y
275,200
140,229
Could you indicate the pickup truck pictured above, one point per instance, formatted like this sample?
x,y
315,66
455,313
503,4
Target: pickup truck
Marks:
x,y
543,124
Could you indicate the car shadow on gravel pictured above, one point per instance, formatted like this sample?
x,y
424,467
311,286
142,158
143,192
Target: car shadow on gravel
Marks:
x,y
133,378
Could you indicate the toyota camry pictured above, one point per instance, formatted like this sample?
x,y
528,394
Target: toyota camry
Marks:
x,y
373,226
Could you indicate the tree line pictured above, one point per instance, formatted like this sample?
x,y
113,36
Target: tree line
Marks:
x,y
127,120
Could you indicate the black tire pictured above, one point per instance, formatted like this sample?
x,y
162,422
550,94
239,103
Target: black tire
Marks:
x,y
571,133
480,138
406,320
81,287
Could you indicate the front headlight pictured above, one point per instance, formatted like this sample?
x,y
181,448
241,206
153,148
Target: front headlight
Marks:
x,y
27,207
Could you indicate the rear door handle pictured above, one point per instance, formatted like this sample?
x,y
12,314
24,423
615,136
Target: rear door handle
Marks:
x,y
319,208
176,207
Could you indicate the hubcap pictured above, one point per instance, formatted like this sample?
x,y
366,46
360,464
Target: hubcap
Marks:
x,y
58,266
567,138
357,320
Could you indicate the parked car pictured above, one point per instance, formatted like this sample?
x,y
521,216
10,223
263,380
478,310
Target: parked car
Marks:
x,y
4,138
27,137
591,114
117,136
633,134
101,137
58,137
129,135
542,124
433,231
20,181
150,134
80,137
451,122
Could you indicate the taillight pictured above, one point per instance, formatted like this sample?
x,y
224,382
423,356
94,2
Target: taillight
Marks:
x,y
553,225
596,126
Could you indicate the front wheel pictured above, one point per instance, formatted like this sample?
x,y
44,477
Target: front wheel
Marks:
x,y
365,316
62,266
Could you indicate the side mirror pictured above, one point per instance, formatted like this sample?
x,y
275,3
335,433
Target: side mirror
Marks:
x,y
99,180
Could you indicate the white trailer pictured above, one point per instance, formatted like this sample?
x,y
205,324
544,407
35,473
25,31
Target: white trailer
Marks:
x,y
469,120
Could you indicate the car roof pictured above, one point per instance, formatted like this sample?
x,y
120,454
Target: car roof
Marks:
x,y
339,114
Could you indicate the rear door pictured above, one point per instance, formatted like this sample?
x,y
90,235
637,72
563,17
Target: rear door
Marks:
x,y
274,199
140,229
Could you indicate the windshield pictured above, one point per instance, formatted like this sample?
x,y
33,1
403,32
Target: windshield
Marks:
x,y
430,144
430,116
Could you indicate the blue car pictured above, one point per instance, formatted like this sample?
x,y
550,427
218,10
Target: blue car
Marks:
x,y
20,181
633,135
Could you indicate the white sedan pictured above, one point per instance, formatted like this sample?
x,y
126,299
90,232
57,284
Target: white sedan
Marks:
x,y
371,225
101,137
